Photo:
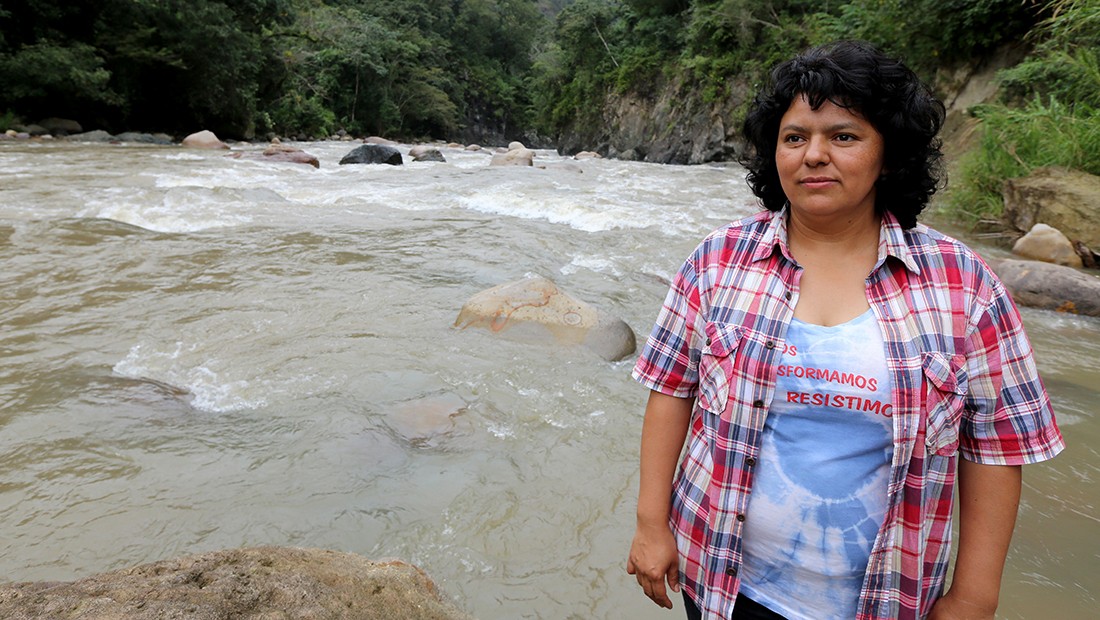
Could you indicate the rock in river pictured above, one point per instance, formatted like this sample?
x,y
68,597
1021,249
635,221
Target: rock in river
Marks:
x,y
536,309
1050,286
373,154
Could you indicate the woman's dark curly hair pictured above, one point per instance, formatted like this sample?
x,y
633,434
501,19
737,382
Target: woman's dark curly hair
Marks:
x,y
854,75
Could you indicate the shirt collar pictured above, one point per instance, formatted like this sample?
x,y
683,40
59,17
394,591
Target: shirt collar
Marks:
x,y
891,242
774,235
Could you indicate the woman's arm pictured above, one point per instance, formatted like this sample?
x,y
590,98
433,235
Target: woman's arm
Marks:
x,y
653,558
989,497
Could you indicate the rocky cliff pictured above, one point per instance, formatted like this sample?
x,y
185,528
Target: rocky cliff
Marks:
x,y
672,122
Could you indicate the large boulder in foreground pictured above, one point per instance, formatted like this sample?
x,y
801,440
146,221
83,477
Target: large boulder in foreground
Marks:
x,y
1059,197
373,154
1050,286
536,309
256,583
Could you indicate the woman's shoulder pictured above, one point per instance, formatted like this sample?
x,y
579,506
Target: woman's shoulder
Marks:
x,y
744,233
940,255
925,241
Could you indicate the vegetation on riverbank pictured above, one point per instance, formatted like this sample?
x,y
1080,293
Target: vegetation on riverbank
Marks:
x,y
1050,115
523,69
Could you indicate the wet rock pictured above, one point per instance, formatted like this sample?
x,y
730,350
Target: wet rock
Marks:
x,y
1062,198
587,155
143,138
97,135
535,309
473,147
379,140
35,130
1049,286
280,153
424,421
422,152
262,582
517,157
1089,258
204,140
373,154
516,145
61,126
1049,245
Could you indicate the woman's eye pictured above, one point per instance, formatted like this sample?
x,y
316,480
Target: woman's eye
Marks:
x,y
792,139
845,137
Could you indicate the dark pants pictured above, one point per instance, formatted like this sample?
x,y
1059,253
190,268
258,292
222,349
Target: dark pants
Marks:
x,y
744,609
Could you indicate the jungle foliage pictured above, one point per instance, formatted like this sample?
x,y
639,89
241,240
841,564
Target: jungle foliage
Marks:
x,y
411,69
1051,116
406,68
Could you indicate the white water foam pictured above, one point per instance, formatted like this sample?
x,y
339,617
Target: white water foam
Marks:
x,y
209,392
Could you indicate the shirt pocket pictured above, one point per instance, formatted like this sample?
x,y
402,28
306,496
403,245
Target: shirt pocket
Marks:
x,y
945,387
716,366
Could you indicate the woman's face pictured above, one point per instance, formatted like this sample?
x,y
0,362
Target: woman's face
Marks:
x,y
828,161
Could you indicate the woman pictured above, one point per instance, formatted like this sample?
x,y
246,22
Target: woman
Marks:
x,y
828,360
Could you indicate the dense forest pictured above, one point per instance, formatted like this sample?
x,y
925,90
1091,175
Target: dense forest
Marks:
x,y
508,69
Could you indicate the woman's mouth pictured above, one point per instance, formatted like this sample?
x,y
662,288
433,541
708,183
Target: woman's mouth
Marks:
x,y
817,182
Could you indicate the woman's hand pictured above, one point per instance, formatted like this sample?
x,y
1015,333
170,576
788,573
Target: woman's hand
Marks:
x,y
653,561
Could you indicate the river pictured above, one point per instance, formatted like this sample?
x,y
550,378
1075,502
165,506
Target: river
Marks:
x,y
201,352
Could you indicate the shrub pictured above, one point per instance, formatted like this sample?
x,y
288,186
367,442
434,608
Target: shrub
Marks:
x,y
1015,141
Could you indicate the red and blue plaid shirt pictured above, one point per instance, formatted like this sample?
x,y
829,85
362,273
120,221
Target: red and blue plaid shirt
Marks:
x,y
964,382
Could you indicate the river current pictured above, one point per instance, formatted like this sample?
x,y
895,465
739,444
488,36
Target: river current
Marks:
x,y
202,352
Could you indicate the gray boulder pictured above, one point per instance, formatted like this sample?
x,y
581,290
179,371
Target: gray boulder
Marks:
x,y
97,135
535,309
61,126
143,138
257,583
422,152
373,154
1049,286
35,130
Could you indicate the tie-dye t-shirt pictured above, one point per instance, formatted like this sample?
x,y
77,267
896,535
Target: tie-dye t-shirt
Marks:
x,y
820,491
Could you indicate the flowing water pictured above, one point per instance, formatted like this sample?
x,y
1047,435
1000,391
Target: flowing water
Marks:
x,y
201,352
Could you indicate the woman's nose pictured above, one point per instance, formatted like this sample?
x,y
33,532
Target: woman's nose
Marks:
x,y
817,152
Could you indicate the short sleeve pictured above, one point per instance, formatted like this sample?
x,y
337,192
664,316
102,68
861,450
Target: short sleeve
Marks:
x,y
1008,418
669,361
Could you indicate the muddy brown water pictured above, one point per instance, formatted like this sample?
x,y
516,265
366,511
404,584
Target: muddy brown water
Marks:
x,y
201,352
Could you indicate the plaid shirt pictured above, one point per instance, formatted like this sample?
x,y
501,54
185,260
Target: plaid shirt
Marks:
x,y
964,381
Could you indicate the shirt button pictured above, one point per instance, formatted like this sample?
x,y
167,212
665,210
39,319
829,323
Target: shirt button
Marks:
x,y
769,344
758,404
741,518
787,295
751,462
731,571
708,342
